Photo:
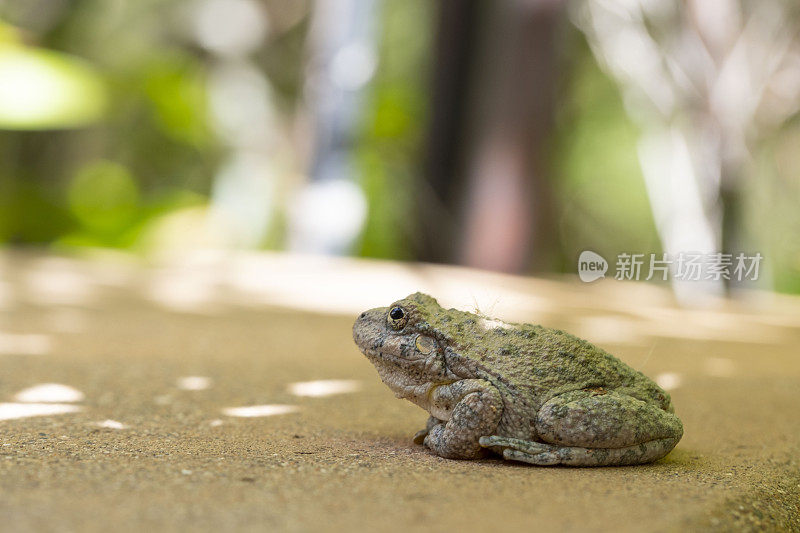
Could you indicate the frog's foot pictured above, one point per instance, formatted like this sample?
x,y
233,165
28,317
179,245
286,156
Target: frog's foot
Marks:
x,y
539,453
419,436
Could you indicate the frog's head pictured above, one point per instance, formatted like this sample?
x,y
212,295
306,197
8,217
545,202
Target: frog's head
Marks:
x,y
402,344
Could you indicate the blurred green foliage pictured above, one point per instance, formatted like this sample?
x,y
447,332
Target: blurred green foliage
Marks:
x,y
176,89
104,197
145,147
391,146
125,135
45,89
771,213
598,183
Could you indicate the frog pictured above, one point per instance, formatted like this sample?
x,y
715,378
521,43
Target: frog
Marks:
x,y
525,392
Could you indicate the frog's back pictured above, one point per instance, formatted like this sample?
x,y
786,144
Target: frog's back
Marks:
x,y
540,363
530,362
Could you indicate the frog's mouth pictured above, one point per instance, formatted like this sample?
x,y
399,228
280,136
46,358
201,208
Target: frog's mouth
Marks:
x,y
380,345
368,336
376,351
393,353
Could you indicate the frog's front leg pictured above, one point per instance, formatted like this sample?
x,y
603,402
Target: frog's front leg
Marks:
x,y
472,408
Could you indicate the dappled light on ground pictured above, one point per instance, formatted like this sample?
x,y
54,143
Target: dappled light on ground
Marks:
x,y
24,343
669,380
45,399
324,387
50,392
194,382
720,367
253,411
110,424
66,320
10,411
189,289
58,281
611,328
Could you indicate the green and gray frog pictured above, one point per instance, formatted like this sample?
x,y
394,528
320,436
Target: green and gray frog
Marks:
x,y
530,393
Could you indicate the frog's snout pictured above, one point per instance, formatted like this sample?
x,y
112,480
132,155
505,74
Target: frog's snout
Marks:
x,y
360,324
367,327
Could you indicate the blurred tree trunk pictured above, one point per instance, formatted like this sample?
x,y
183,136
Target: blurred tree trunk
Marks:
x,y
499,89
455,47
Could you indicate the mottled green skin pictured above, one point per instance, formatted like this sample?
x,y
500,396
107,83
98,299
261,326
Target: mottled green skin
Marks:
x,y
528,392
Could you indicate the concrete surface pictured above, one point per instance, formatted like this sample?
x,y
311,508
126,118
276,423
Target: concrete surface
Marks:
x,y
148,437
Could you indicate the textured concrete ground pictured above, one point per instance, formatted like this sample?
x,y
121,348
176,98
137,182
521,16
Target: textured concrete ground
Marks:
x,y
154,366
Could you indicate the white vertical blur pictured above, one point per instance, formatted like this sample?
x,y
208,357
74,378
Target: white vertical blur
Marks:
x,y
327,214
230,27
245,118
704,79
673,185
243,196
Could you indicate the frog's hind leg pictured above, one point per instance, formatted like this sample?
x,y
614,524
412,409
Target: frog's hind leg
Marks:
x,y
541,454
594,427
527,451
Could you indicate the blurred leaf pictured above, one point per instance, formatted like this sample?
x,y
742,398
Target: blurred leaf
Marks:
x,y
387,229
30,213
137,234
395,108
42,89
9,34
388,153
177,90
104,197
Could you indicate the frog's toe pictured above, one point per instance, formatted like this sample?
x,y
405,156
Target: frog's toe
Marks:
x,y
419,436
526,446
493,440
540,459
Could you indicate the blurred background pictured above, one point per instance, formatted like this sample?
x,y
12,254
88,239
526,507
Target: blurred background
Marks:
x,y
504,135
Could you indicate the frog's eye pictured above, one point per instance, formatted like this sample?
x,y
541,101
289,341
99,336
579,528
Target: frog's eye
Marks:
x,y
397,318
424,344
